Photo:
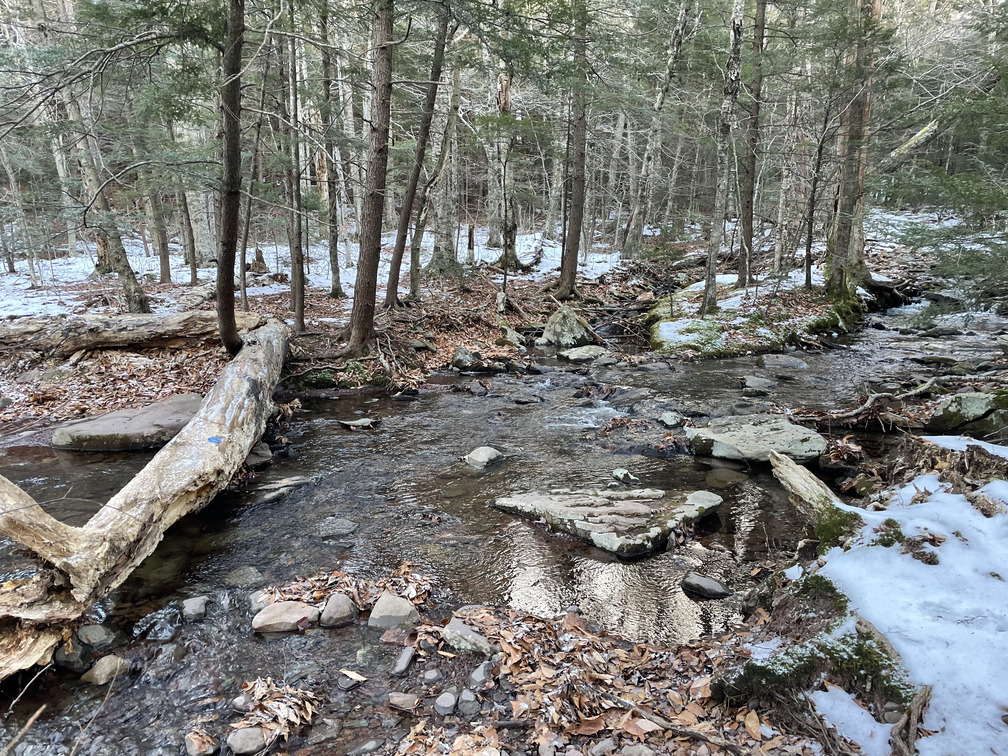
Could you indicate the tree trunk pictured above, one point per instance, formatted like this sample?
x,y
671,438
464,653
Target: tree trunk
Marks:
x,y
66,200
356,172
752,143
423,136
188,237
365,288
231,186
642,198
331,159
84,564
556,190
731,90
568,264
443,260
296,237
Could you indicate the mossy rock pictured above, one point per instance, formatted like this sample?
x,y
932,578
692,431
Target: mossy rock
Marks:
x,y
834,525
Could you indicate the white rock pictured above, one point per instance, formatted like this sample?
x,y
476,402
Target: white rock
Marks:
x,y
247,740
106,669
483,456
339,610
392,611
195,608
285,617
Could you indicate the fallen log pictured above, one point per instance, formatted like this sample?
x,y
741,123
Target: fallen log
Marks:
x,y
82,564
809,494
61,337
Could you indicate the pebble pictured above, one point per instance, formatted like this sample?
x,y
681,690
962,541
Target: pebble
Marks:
x,y
638,749
285,616
467,704
195,608
445,704
340,610
480,675
106,669
432,676
603,748
403,662
198,745
247,740
96,636
403,701
241,704
367,746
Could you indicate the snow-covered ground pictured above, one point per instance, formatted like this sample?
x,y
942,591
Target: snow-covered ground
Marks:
x,y
52,297
948,621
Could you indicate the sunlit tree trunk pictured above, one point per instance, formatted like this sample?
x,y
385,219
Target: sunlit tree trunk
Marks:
x,y
331,159
748,199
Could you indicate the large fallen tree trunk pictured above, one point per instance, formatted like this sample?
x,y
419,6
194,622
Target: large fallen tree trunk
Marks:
x,y
810,495
61,337
82,564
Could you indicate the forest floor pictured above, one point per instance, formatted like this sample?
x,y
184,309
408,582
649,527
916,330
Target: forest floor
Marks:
x,y
607,688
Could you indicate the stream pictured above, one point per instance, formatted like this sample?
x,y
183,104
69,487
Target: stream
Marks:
x,y
401,492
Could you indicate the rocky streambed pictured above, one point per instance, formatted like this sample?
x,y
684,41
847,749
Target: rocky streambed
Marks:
x,y
365,497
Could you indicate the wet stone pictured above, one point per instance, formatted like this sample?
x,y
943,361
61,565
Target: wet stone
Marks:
x,y
444,705
781,362
285,617
722,477
404,661
242,577
671,419
482,456
247,740
195,608
76,659
97,636
396,636
704,586
106,669
346,683
340,610
258,600
468,705
148,427
260,456
336,527
158,627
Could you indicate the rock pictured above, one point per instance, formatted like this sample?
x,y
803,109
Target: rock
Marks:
x,y
704,586
480,676
628,399
510,337
327,729
258,600
422,345
260,455
445,704
1002,342
402,664
463,638
339,611
671,419
755,382
752,437
199,744
247,740
483,456
637,749
722,477
781,361
77,658
468,705
392,611
344,682
396,636
585,353
476,388
403,701
959,409
97,636
432,677
625,476
285,617
603,748
627,522
195,608
336,527
462,358
242,577
606,360
565,329
242,704
106,669
361,747
360,422
654,367
148,427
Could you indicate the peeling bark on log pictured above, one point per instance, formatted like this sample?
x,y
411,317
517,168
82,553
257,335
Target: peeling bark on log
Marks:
x,y
809,494
83,564
61,337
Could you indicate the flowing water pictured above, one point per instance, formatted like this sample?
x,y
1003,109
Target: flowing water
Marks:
x,y
410,497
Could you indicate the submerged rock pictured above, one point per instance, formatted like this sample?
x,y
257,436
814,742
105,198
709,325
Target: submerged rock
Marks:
x,y
626,522
752,437
781,361
147,427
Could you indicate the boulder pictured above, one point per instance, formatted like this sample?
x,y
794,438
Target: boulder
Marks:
x,y
247,740
463,358
339,611
482,456
392,611
704,586
148,427
585,353
565,329
626,522
752,437
106,669
285,617
464,639
959,410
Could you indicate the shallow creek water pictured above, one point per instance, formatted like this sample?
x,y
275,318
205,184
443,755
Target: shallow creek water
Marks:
x,y
404,486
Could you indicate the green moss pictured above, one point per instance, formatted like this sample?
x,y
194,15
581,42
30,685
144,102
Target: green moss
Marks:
x,y
818,588
889,534
834,525
860,665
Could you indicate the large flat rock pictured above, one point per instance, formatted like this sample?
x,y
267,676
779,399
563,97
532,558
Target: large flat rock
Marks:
x,y
752,437
148,427
628,523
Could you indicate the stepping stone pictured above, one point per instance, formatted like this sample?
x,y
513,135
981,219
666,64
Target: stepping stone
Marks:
x,y
148,427
752,437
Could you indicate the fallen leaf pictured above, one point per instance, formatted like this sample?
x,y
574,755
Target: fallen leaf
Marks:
x,y
752,725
